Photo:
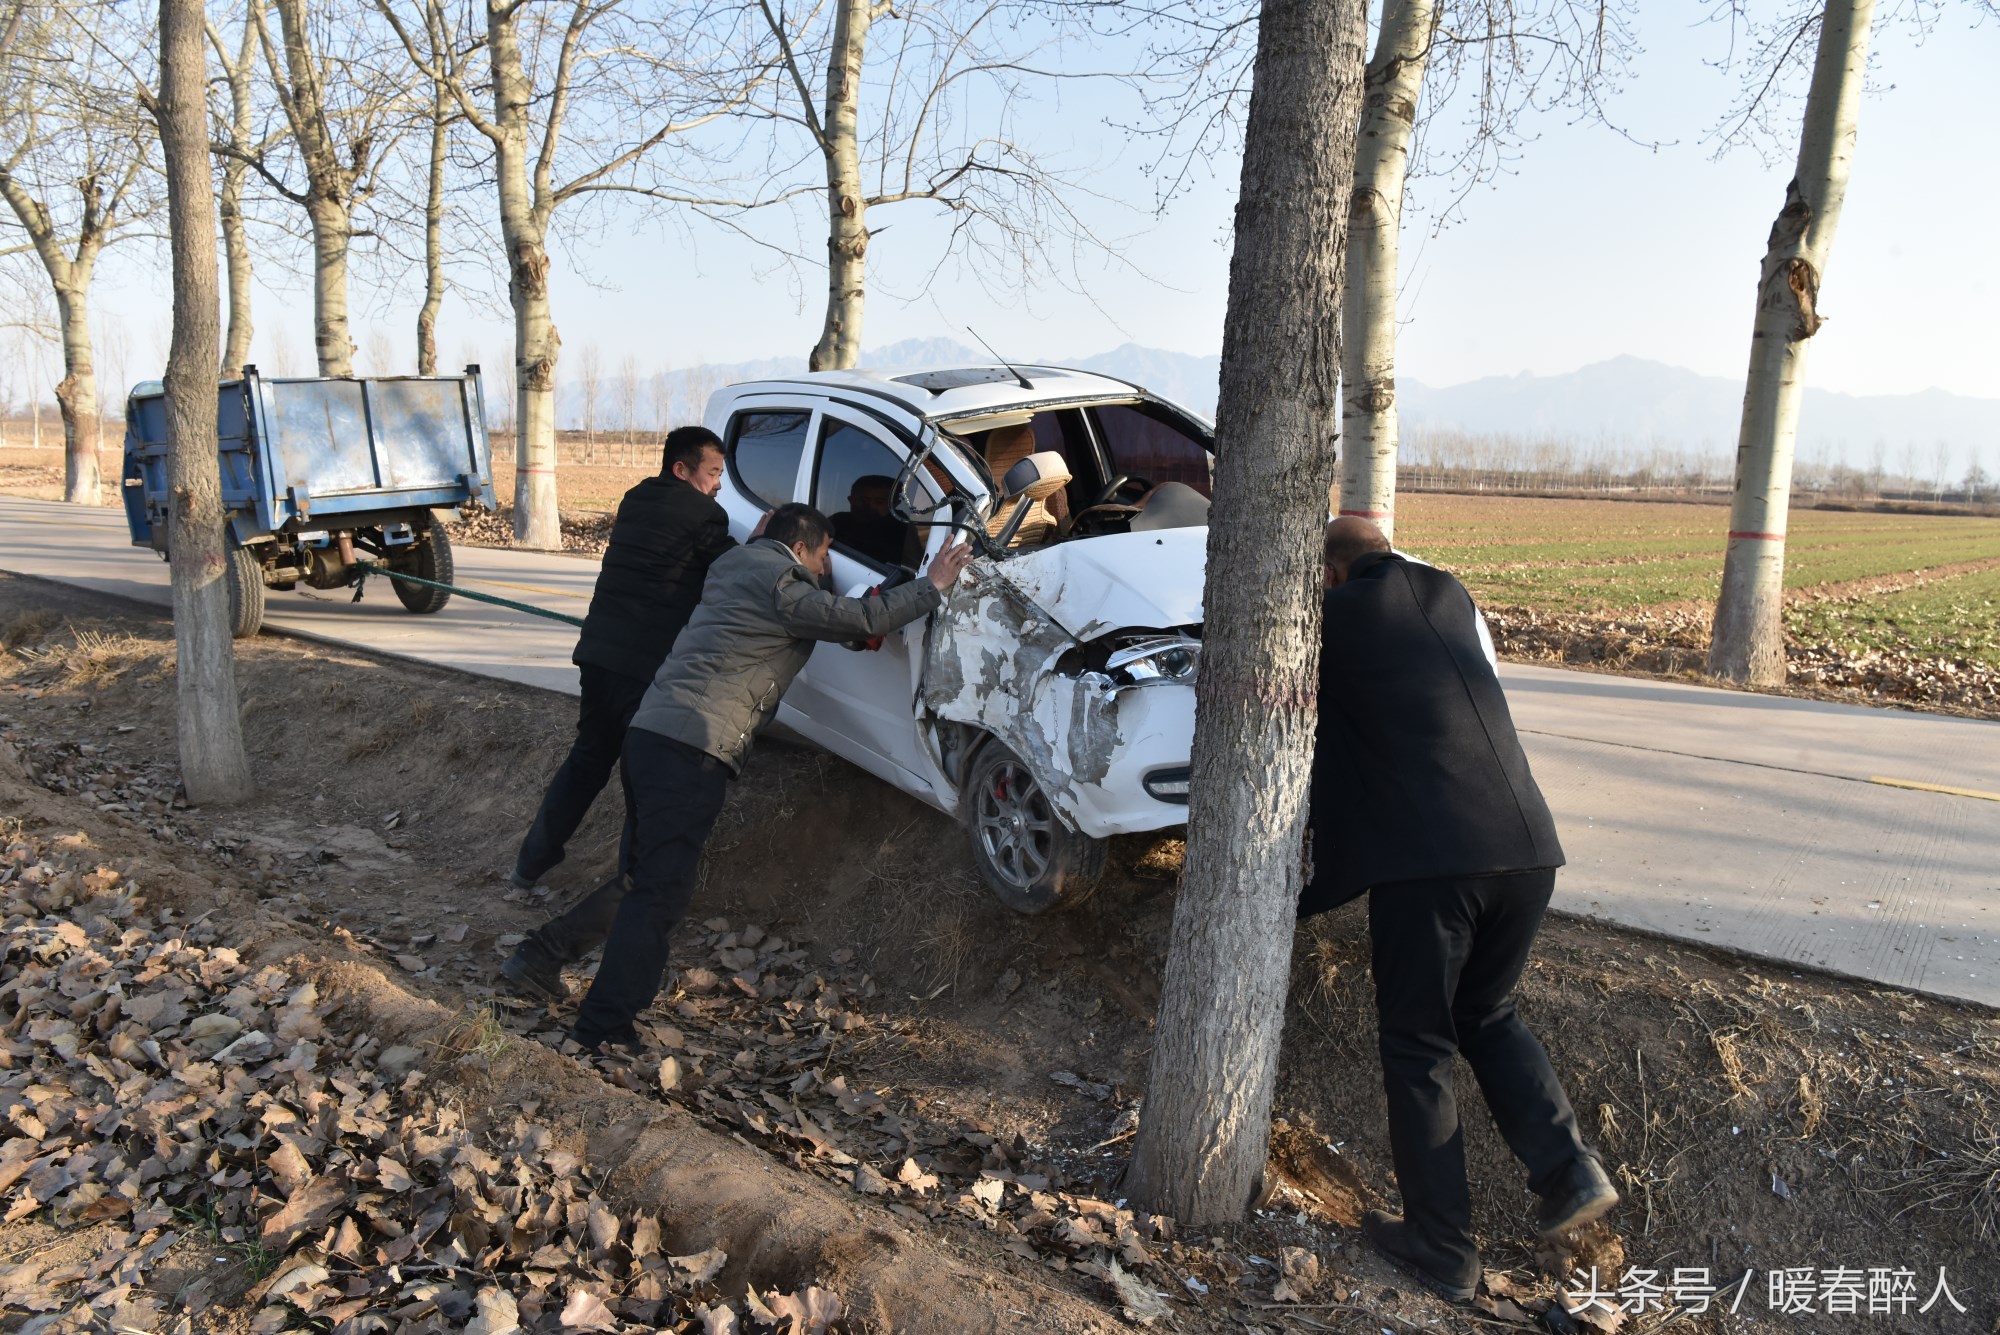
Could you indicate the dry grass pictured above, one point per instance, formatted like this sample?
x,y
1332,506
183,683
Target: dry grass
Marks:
x,y
945,943
30,627
95,658
477,1032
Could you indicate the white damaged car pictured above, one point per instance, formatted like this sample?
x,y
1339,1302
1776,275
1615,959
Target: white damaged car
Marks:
x,y
1049,704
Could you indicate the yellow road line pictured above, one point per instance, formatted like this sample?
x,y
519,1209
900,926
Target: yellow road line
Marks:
x,y
525,588
1934,788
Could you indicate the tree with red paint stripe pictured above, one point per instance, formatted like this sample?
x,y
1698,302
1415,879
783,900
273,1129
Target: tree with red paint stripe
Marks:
x,y
1207,1120
1748,642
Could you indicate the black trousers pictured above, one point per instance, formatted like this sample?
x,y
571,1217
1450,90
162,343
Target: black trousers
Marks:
x,y
1446,956
582,928
673,793
603,714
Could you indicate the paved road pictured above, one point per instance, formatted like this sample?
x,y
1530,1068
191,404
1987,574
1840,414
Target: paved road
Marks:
x,y
1774,826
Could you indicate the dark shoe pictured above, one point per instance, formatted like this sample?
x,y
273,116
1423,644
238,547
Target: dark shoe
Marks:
x,y
1582,1194
535,973
621,1047
1389,1235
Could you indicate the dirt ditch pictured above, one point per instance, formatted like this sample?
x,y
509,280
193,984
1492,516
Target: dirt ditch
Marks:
x,y
877,1086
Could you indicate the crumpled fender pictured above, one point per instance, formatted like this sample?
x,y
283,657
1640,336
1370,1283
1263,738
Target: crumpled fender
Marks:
x,y
991,663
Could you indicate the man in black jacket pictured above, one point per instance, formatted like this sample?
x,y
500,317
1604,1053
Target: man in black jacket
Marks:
x,y
669,529
1422,799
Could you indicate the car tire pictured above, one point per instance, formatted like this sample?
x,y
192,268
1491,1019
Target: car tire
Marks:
x,y
429,557
246,593
1029,859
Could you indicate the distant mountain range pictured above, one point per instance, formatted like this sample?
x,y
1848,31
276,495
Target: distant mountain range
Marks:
x,y
1625,399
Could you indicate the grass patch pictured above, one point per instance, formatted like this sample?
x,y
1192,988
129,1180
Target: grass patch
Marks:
x,y
1614,558
1955,617
477,1032
232,1242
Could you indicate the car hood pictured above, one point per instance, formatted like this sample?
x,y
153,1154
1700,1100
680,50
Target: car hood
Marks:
x,y
1115,581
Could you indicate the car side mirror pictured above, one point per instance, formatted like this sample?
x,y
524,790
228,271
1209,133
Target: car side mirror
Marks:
x,y
1044,474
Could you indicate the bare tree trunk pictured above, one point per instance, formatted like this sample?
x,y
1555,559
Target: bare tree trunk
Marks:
x,y
523,229
427,316
589,378
1206,1125
333,339
839,345
69,279
237,74
236,249
329,185
76,393
1748,642
1375,219
209,725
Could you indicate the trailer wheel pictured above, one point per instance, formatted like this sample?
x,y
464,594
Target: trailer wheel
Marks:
x,y
1029,859
429,558
246,593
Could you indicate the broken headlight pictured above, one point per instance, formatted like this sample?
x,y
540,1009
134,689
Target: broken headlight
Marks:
x,y
1154,660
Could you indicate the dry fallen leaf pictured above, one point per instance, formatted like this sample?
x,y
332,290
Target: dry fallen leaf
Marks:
x,y
309,1209
393,1176
701,1267
807,1312
1138,1299
718,1320
288,1166
1298,1275
604,1227
212,1033
586,1311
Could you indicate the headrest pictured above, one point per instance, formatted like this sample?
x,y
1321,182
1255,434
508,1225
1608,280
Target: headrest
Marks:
x,y
1038,477
1004,443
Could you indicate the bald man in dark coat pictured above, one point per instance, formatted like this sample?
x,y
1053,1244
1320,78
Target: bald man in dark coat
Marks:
x,y
1423,800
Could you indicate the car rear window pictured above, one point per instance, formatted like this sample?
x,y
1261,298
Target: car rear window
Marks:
x,y
764,453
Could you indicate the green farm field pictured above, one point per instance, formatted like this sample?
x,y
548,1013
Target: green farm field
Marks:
x,y
1618,557
1879,608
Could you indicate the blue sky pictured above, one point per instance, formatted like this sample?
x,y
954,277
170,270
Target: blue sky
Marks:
x,y
1591,246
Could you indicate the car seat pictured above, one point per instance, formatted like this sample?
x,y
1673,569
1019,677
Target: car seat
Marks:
x,y
1006,446
1031,480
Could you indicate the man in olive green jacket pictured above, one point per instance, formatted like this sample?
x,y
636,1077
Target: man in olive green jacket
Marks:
x,y
762,612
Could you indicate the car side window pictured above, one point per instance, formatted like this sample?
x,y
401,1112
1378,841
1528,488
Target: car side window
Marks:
x,y
1145,443
854,482
764,451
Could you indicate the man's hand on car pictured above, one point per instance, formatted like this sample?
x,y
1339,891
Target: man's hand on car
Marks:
x,y
947,564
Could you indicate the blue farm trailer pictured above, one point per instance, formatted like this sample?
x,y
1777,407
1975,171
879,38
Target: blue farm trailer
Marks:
x,y
319,475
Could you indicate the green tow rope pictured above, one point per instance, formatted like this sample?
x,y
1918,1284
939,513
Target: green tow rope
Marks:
x,y
363,569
